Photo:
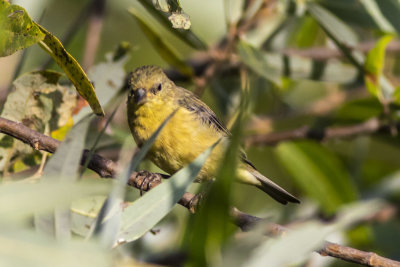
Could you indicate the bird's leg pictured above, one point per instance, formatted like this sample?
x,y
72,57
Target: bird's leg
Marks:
x,y
198,198
195,202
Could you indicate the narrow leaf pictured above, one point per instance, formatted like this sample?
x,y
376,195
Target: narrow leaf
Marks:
x,y
308,237
147,211
28,199
17,30
373,9
39,250
374,65
338,31
110,228
72,69
63,166
318,172
346,41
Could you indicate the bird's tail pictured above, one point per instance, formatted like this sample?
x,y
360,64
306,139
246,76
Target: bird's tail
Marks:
x,y
274,190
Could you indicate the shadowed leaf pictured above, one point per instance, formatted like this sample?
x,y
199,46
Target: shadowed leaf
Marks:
x,y
318,172
164,50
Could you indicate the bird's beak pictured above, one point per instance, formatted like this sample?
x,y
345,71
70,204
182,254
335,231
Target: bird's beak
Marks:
x,y
140,95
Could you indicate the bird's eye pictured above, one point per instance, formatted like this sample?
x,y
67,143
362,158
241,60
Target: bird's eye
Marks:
x,y
131,93
159,87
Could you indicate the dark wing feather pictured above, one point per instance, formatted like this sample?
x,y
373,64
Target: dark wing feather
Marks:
x,y
192,103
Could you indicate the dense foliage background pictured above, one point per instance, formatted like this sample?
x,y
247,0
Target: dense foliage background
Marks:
x,y
321,83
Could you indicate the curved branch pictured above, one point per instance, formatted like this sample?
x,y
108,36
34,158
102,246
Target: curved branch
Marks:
x,y
107,169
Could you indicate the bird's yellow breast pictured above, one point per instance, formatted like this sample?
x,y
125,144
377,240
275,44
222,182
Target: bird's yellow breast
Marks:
x,y
183,138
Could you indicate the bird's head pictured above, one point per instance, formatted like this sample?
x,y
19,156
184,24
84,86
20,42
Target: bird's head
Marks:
x,y
148,83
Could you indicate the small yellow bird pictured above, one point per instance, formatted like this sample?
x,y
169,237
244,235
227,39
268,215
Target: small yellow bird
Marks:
x,y
193,128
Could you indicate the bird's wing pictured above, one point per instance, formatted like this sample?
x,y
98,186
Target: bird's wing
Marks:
x,y
192,103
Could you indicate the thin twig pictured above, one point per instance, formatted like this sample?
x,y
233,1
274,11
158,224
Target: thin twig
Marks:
x,y
370,126
107,169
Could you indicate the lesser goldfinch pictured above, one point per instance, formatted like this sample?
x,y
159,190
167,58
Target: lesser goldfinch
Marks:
x,y
193,128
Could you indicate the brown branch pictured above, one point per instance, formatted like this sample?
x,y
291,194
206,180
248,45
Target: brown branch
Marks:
x,y
370,126
93,33
107,168
325,53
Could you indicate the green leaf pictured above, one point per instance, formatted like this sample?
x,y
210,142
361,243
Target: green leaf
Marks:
x,y
28,198
186,36
257,62
42,251
110,228
39,102
376,14
147,211
63,166
72,69
84,212
374,65
109,77
17,30
390,11
338,31
209,229
307,237
163,49
318,173
346,41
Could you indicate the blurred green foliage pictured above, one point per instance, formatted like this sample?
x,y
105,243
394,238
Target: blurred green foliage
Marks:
x,y
305,63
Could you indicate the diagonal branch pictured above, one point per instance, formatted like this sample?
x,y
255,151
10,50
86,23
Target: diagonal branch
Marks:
x,y
107,169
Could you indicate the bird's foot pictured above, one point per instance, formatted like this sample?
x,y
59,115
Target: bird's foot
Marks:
x,y
147,180
195,202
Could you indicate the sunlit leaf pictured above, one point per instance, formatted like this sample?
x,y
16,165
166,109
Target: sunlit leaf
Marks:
x,y
111,225
164,50
41,251
374,65
139,217
17,30
61,132
307,237
29,198
84,212
373,9
318,172
346,41
63,166
39,102
390,11
108,77
72,69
